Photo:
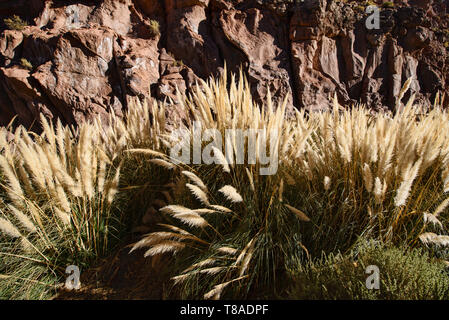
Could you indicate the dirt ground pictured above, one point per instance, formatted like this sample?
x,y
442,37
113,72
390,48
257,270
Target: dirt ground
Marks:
x,y
122,276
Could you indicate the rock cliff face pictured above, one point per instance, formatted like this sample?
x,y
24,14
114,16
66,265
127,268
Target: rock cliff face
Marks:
x,y
87,56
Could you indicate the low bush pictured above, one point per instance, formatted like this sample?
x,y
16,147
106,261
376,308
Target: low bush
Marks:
x,y
15,23
404,274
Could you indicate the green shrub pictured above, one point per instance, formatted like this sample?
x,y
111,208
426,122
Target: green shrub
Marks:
x,y
178,63
404,274
154,28
15,23
26,64
388,4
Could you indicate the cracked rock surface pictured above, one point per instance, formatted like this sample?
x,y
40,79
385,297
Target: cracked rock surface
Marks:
x,y
88,56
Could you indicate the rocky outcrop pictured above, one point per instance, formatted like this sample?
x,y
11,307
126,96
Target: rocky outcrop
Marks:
x,y
85,57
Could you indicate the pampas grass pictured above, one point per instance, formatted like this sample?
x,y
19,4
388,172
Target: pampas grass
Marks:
x,y
8,228
355,173
59,188
231,194
221,159
198,193
432,238
185,215
195,179
430,218
163,247
23,219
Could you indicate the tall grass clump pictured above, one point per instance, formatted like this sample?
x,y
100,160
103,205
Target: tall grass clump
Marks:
x,y
57,194
59,201
342,174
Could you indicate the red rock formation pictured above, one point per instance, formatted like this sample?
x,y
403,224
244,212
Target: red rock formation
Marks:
x,y
87,56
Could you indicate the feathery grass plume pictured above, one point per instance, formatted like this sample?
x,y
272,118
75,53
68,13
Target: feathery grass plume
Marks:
x,y
62,198
243,253
379,190
445,178
25,179
148,151
157,237
164,247
192,219
301,215
163,163
427,237
101,178
112,187
175,209
221,159
204,211
198,193
430,237
430,218
195,179
441,207
404,89
402,193
182,277
63,216
327,183
220,208
85,150
30,157
8,228
367,177
344,145
213,270
185,215
247,259
404,189
204,263
231,193
227,250
26,245
215,293
23,218
14,190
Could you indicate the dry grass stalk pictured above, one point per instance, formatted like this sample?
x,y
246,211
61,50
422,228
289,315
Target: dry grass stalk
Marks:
x,y
301,215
